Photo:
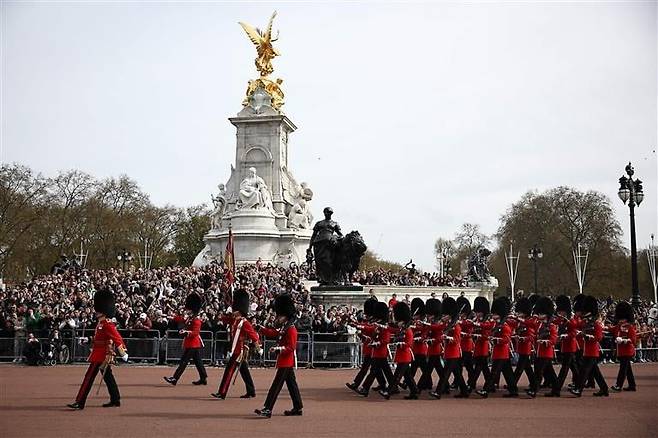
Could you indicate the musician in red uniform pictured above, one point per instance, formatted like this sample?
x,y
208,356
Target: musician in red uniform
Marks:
x,y
567,331
501,335
192,343
403,353
286,361
106,339
365,332
421,332
591,331
524,327
625,335
452,350
467,342
241,333
546,339
482,325
434,343
379,344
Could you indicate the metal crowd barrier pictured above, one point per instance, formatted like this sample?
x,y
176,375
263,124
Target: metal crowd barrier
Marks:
x,y
174,346
304,355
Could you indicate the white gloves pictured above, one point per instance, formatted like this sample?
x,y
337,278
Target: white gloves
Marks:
x,y
449,338
125,357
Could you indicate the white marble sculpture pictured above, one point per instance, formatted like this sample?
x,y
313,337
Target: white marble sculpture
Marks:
x,y
254,193
299,216
219,202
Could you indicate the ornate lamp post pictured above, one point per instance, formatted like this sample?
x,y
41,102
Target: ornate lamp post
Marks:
x,y
631,190
535,254
124,257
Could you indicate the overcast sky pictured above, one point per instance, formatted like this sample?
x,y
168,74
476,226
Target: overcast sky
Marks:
x,y
413,118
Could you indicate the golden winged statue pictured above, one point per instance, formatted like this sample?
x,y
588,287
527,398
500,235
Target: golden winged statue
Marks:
x,y
263,42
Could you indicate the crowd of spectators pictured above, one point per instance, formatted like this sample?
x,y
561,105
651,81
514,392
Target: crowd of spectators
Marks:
x,y
409,277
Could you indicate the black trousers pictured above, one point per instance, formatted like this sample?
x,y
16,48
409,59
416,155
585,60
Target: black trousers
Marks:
x,y
568,363
419,362
525,365
363,372
403,371
467,363
504,366
379,367
229,371
433,363
286,375
625,372
481,366
453,366
579,359
195,355
591,369
88,382
544,367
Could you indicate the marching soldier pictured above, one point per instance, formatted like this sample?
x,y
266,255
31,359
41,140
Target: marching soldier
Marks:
x,y
467,343
567,330
421,331
625,335
482,326
381,338
525,330
435,343
366,330
241,333
106,338
286,361
591,331
403,353
192,343
546,338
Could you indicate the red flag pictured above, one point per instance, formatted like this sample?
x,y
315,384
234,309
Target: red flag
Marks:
x,y
229,260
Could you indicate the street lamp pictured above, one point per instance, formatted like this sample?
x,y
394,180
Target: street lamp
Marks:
x,y
535,254
124,257
630,191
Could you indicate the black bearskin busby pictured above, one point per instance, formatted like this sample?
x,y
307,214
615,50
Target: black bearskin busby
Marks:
x,y
563,304
544,306
193,302
500,307
590,305
463,305
481,305
433,307
104,302
368,307
523,305
241,302
417,307
449,307
533,299
578,303
285,306
380,312
624,310
402,312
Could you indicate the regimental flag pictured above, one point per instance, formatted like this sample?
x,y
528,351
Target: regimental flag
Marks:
x,y
229,260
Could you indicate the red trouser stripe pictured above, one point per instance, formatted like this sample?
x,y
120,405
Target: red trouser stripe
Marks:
x,y
87,382
228,375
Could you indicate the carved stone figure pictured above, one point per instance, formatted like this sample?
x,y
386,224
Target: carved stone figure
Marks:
x,y
219,202
477,265
254,193
299,216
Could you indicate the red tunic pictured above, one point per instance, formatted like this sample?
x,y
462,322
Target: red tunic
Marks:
x,y
546,339
467,343
592,346
436,336
288,340
503,334
452,347
366,338
569,330
625,331
382,337
421,332
241,331
105,331
193,338
526,332
403,352
482,341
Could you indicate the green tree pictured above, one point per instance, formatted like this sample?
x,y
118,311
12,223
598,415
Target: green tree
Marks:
x,y
191,228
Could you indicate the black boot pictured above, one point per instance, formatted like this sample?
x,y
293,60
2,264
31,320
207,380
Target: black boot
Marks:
x,y
77,406
200,382
112,404
293,413
263,412
172,381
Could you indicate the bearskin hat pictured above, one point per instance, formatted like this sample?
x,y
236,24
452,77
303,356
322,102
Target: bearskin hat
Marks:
x,y
463,305
544,306
193,302
241,302
402,312
533,299
285,306
104,302
369,306
481,305
417,307
433,307
578,303
500,307
624,310
380,311
563,304
590,305
449,307
523,305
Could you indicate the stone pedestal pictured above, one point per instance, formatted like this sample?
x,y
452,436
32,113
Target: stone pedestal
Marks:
x,y
339,296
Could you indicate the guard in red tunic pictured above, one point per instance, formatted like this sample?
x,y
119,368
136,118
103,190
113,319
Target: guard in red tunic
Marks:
x,y
467,342
546,339
380,353
434,343
241,333
452,350
106,339
365,331
421,332
524,327
286,362
591,331
567,331
625,335
482,325
501,336
192,343
403,353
